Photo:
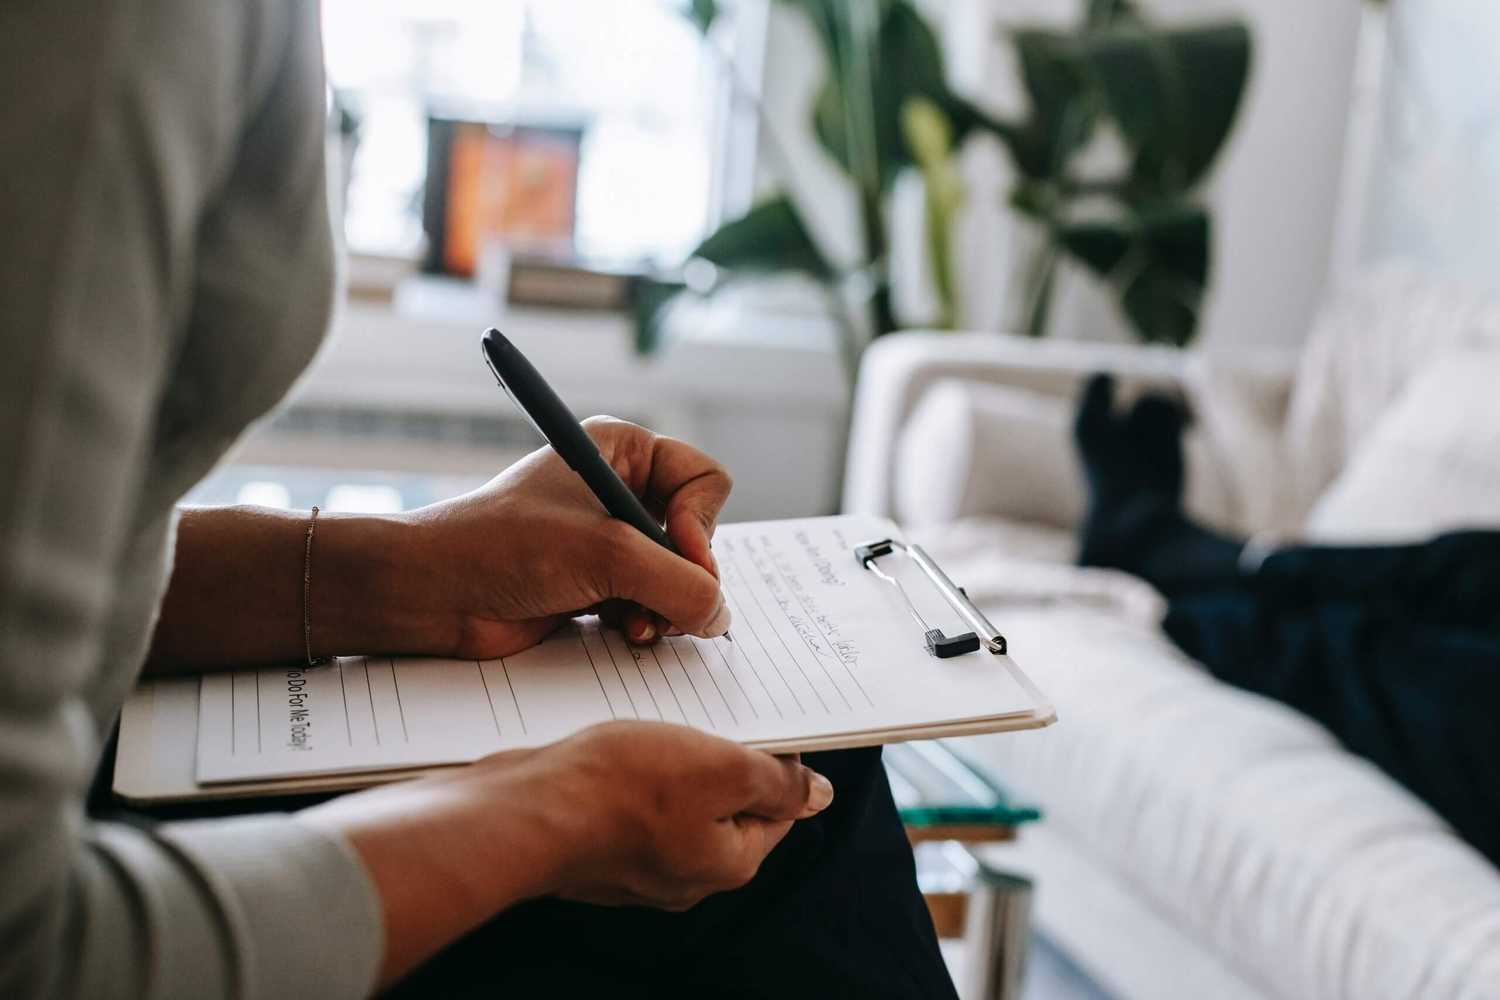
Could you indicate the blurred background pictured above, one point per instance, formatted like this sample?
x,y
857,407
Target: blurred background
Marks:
x,y
552,167
863,251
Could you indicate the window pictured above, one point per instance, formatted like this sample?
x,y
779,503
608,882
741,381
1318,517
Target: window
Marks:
x,y
659,162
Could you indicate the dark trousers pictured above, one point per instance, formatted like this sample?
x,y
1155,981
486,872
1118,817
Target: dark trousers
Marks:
x,y
834,912
1395,649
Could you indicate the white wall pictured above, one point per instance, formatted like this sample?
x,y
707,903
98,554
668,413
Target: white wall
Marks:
x,y
1433,199
1276,193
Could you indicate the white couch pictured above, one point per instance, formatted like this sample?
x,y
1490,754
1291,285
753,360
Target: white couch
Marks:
x,y
1200,841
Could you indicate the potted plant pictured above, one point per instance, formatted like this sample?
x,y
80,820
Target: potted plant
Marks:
x,y
1169,94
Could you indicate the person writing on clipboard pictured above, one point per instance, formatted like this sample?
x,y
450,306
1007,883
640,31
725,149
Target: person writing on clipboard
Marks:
x,y
165,273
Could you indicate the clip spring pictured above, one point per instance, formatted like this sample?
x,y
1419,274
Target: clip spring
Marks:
x,y
938,643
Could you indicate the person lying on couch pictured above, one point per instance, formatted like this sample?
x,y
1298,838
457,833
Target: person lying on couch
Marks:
x,y
1395,649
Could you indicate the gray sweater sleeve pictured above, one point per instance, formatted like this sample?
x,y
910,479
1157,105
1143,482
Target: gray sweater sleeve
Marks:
x,y
125,127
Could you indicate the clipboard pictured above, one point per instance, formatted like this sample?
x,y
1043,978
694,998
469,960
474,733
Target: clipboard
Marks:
x,y
938,644
817,620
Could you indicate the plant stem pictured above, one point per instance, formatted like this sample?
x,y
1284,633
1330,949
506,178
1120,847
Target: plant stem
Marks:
x,y
882,315
1041,273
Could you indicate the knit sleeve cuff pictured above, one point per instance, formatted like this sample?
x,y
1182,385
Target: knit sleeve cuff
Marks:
x,y
297,898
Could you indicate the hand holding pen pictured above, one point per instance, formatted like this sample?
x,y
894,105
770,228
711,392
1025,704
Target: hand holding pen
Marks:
x,y
572,442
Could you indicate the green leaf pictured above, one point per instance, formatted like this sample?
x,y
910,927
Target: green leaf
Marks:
x,y
831,125
1157,261
1215,66
1178,238
1062,108
870,78
1100,245
1174,94
929,134
1162,308
770,237
703,13
910,67
1033,199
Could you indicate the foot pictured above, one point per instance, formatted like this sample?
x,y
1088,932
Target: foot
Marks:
x,y
1135,471
1134,468
1139,454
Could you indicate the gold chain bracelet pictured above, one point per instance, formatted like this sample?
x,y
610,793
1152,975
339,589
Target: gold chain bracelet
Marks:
x,y
312,524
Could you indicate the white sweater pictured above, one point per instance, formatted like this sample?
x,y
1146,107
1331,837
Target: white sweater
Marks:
x,y
165,272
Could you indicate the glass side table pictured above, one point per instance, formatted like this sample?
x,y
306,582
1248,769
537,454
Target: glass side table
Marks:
x,y
947,806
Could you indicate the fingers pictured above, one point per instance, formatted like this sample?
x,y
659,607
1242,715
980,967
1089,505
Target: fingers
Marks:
x,y
686,486
684,814
687,489
781,792
692,489
782,789
692,512
776,792
685,594
757,838
639,625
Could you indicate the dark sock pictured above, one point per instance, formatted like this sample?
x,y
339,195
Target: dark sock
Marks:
x,y
1134,469
1139,454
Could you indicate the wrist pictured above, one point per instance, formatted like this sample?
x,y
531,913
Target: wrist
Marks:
x,y
534,844
371,591
442,856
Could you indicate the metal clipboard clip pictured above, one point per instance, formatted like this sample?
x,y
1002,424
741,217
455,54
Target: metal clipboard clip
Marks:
x,y
938,644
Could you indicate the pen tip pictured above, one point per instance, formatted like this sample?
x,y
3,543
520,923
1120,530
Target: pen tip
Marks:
x,y
729,637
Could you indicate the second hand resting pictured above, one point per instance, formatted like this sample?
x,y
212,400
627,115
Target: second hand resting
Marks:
x,y
626,812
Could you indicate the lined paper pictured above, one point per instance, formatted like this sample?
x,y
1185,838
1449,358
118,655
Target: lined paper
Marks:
x,y
822,649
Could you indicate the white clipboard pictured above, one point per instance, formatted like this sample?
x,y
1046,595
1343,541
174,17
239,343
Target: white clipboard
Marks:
x,y
909,658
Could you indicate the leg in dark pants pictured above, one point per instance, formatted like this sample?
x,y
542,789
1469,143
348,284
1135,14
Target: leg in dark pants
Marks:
x,y
1395,649
1454,579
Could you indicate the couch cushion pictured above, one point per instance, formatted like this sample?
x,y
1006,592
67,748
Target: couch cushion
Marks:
x,y
1430,464
1239,406
1370,340
1305,867
973,448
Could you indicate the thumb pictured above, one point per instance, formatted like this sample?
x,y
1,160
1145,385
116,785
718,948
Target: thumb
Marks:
x,y
785,790
685,594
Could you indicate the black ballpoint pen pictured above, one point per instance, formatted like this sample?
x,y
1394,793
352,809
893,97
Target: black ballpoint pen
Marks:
x,y
557,425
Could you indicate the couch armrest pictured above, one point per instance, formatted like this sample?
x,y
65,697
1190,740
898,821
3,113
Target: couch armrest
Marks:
x,y
898,369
